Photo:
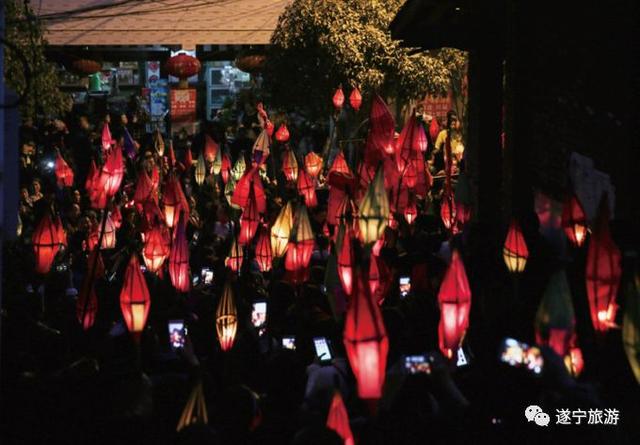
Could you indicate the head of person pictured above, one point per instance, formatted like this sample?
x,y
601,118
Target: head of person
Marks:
x,y
452,120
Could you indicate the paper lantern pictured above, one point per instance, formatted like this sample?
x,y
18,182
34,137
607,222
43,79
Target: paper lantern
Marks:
x,y
157,248
345,259
174,201
365,340
264,257
106,138
261,147
46,243
179,269
448,212
574,361
64,174
411,210
226,318
382,126
603,271
183,66
109,236
454,299
355,99
515,251
631,325
555,320
574,221
313,164
301,242
113,171
374,210
434,129
144,189
134,297
188,159
158,142
239,168
249,221
338,98
235,257
216,166
211,148
195,410
281,230
282,135
340,165
307,188
338,419
290,166
225,167
201,170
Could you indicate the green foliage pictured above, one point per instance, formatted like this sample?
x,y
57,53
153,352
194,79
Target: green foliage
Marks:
x,y
319,45
24,33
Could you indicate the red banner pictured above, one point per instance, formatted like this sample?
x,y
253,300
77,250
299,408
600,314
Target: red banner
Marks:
x,y
438,106
183,105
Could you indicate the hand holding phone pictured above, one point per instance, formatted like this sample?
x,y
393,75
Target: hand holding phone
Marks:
x,y
323,352
177,334
405,286
417,364
289,342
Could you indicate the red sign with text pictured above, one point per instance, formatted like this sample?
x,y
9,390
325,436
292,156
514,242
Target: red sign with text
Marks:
x,y
183,105
438,106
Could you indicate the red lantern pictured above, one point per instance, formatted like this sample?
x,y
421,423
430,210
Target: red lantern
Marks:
x,y
448,212
116,216
355,99
46,243
174,201
269,127
410,176
64,174
109,236
282,135
307,189
338,419
313,163
156,248
134,298
179,259
574,221
264,257
382,126
434,129
338,98
183,66
365,340
340,165
515,251
301,243
249,220
603,271
225,167
95,186
210,148
188,159
106,138
144,189
454,299
236,256
345,260
574,362
411,210
113,171
290,166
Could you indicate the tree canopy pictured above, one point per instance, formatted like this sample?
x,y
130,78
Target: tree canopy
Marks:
x,y
320,45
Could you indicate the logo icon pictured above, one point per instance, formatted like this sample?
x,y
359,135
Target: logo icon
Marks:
x,y
534,413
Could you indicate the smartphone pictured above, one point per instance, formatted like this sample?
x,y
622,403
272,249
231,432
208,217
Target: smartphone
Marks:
x,y
207,276
405,286
462,358
289,342
519,354
143,268
177,334
195,280
323,352
417,364
259,314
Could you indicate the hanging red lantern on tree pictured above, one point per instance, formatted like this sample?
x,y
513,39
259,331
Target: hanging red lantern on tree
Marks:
x,y
574,221
454,299
134,298
355,99
340,165
113,171
307,188
183,66
365,340
338,98
46,243
264,257
174,201
338,419
345,259
64,174
603,271
515,251
313,164
249,221
290,166
300,245
282,135
156,248
226,318
179,270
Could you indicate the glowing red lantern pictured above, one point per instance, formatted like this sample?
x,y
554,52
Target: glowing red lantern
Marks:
x,y
109,236
290,166
300,246
355,99
410,176
46,243
365,340
144,188
382,126
345,259
603,271
174,201
264,257
338,98
235,257
134,298
340,165
574,221
282,135
448,211
183,66
434,129
210,148
515,251
307,189
113,171
338,419
281,231
179,270
64,174
116,216
313,164
225,167
106,138
188,159
574,362
454,299
249,220
374,210
156,248
269,127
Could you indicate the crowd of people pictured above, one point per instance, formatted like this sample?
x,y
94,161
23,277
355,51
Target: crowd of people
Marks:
x,y
65,384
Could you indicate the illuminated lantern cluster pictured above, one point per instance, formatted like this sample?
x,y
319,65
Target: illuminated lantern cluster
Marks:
x,y
574,221
179,259
313,164
134,297
290,166
515,251
338,98
338,419
282,135
355,99
157,248
365,341
64,174
603,272
183,66
374,210
281,230
264,257
48,236
226,319
454,299
555,319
